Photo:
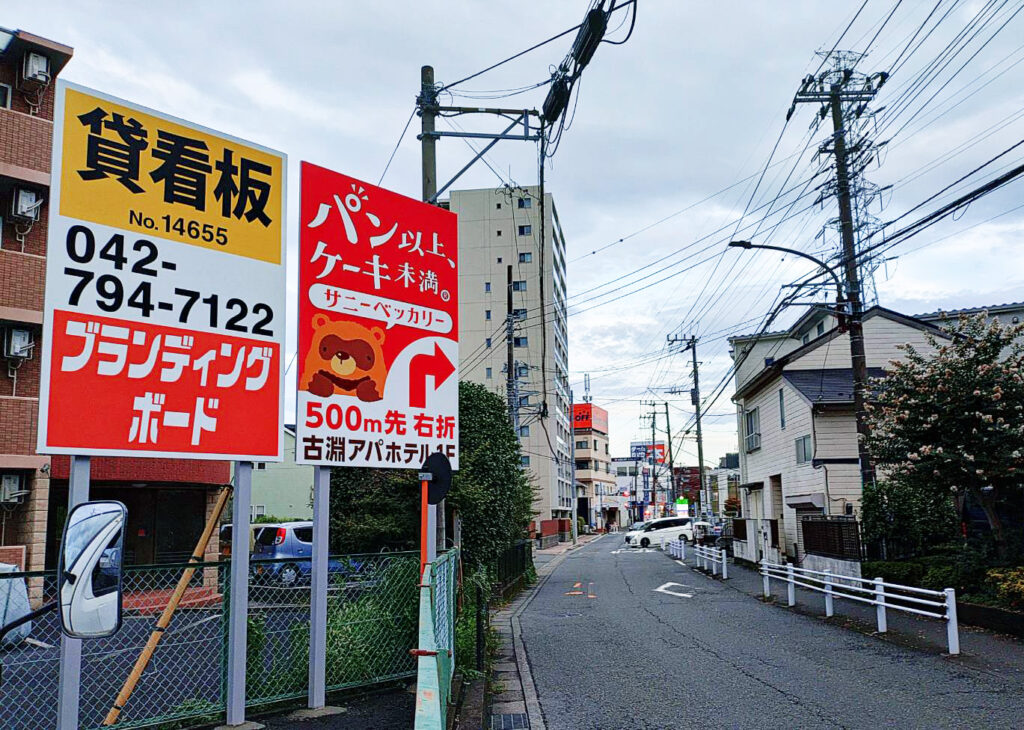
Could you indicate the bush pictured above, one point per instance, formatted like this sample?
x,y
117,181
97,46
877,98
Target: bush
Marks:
x,y
940,577
908,574
1009,586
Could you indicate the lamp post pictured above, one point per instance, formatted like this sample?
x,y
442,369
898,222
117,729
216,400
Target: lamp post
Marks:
x,y
840,300
857,356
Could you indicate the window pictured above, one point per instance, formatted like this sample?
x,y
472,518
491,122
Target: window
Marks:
x,y
821,328
517,342
260,466
595,444
489,373
753,430
524,400
497,206
519,285
525,203
304,534
805,339
499,259
526,461
487,342
487,314
5,96
526,258
782,409
519,313
258,510
804,450
581,444
498,234
524,430
525,230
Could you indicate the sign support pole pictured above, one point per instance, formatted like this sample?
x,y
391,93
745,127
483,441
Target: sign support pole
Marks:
x,y
239,593
71,649
318,598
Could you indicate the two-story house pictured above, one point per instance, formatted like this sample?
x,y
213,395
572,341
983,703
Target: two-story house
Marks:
x,y
798,439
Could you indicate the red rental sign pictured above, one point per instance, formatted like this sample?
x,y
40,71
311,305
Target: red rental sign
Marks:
x,y
378,346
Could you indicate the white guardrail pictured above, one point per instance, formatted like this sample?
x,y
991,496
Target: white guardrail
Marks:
x,y
708,558
924,602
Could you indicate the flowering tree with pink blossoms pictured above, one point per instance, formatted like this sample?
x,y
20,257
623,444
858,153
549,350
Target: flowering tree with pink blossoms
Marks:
x,y
951,420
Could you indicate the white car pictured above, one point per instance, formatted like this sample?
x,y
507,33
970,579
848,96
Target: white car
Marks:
x,y
664,528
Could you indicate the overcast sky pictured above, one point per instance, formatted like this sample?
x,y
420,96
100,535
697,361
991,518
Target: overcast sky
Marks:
x,y
690,106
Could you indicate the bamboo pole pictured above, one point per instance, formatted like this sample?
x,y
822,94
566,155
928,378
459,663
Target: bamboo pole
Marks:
x,y
165,618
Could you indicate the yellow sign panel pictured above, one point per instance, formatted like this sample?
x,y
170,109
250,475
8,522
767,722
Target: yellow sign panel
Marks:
x,y
125,168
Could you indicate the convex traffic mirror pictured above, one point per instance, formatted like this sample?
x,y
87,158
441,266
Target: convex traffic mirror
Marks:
x,y
89,570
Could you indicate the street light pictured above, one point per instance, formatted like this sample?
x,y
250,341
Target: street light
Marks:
x,y
857,356
840,301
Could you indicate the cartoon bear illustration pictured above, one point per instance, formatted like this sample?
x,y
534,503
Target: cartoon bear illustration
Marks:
x,y
345,358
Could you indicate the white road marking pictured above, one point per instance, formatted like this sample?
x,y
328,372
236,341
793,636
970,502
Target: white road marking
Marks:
x,y
634,551
665,589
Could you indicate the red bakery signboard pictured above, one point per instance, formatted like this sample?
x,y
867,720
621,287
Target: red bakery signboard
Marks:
x,y
378,330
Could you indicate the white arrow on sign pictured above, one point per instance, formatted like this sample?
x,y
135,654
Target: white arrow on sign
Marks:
x,y
667,590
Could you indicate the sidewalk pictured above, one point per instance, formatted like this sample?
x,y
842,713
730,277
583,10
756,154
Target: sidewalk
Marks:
x,y
980,649
513,704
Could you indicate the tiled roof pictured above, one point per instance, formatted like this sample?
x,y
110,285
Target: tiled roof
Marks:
x,y
826,386
947,313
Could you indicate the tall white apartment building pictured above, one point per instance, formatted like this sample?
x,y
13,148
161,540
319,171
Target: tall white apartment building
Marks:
x,y
502,228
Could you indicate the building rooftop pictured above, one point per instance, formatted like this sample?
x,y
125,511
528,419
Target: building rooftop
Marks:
x,y
826,386
992,309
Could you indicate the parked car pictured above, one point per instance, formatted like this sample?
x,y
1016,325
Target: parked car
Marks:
x,y
282,555
633,528
224,537
667,528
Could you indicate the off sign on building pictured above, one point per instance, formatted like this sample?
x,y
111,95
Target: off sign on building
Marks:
x,y
165,287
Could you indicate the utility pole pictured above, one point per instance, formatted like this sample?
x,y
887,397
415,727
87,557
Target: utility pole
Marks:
x,y
511,380
834,88
572,470
671,462
691,344
654,457
427,102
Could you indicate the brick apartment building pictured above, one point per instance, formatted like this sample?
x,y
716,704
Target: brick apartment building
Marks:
x,y
167,499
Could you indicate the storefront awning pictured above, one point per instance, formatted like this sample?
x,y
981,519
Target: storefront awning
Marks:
x,y
806,501
752,485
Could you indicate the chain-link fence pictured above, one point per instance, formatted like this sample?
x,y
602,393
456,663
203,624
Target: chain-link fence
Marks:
x,y
372,604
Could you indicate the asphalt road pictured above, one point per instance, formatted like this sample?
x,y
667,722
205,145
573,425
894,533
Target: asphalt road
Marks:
x,y
622,654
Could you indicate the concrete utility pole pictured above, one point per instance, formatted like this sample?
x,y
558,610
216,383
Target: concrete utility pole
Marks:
x,y
691,344
671,462
428,112
511,381
858,358
572,467
654,458
834,89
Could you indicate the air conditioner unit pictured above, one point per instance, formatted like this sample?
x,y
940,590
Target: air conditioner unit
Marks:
x,y
12,489
18,343
25,205
35,68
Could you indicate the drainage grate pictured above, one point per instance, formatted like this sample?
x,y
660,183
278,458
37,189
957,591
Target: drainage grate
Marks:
x,y
513,721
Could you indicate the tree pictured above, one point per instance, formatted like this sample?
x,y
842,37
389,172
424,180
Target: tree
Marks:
x,y
952,421
376,508
491,492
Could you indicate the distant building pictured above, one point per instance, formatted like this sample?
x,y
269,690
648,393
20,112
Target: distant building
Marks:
x,y
599,504
282,489
501,231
